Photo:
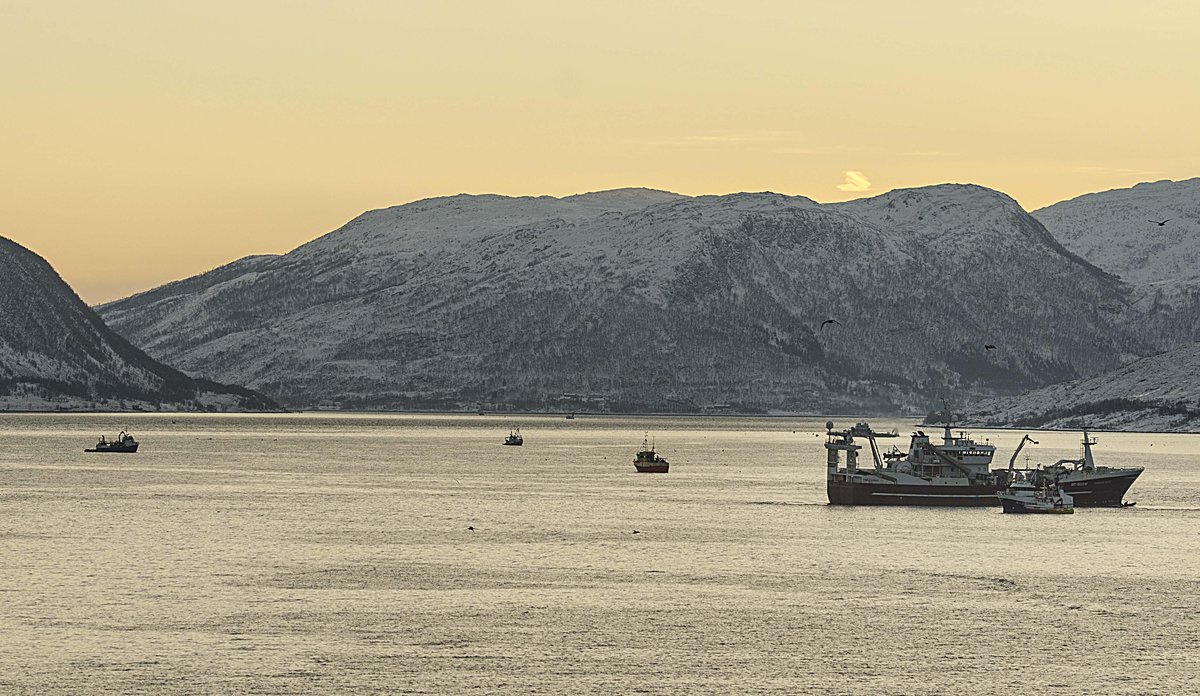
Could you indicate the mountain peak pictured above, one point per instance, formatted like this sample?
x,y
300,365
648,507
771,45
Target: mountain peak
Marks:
x,y
973,194
632,194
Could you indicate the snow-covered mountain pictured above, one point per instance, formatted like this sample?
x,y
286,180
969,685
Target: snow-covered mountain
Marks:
x,y
646,300
1117,231
56,353
1156,394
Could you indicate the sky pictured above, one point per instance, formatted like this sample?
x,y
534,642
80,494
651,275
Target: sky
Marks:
x,y
146,141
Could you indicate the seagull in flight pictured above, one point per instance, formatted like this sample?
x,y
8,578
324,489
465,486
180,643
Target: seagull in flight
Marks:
x,y
830,321
1160,224
989,347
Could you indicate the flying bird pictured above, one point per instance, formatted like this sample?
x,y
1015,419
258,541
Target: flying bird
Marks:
x,y
1160,224
989,347
830,321
636,532
470,529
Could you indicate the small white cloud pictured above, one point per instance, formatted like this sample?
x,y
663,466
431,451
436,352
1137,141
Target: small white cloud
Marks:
x,y
855,181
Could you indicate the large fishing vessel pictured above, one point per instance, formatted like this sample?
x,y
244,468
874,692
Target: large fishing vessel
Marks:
x,y
957,472
124,442
1088,484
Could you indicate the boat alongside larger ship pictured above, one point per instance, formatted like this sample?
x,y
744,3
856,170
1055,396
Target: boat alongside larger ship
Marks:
x,y
1025,498
956,472
1090,485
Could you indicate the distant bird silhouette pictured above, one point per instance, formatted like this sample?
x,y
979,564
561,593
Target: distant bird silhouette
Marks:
x,y
470,529
830,321
636,532
1160,224
989,347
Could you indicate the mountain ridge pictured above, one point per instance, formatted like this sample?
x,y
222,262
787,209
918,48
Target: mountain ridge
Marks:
x,y
648,300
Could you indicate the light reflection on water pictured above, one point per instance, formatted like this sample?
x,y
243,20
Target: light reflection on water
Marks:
x,y
330,553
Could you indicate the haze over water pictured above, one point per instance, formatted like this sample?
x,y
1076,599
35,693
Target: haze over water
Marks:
x,y
331,553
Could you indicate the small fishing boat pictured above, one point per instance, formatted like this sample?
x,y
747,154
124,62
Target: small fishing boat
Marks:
x,y
648,461
514,438
124,442
1025,497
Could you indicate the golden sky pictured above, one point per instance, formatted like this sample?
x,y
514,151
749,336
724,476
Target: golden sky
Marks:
x,y
143,141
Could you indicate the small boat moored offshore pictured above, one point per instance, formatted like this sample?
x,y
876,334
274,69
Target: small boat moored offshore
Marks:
x,y
514,438
124,442
1025,497
648,461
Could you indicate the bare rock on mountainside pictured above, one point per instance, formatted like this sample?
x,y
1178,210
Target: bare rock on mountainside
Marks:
x,y
56,353
640,300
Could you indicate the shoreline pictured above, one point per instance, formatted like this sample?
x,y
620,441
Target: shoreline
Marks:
x,y
579,416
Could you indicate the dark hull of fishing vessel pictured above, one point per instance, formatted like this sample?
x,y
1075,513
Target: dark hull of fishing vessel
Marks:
x,y
113,448
848,492
1101,490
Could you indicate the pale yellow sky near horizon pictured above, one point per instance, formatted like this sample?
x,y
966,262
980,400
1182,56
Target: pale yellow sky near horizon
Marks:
x,y
146,141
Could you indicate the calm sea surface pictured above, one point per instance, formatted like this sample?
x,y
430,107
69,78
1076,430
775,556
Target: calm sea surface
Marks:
x,y
331,553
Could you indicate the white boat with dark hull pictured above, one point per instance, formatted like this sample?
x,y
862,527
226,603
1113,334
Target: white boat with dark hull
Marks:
x,y
1026,497
953,473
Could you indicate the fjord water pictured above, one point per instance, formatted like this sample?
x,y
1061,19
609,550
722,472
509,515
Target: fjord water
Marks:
x,y
332,553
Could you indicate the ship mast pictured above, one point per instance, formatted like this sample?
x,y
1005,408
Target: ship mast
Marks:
x,y
1089,464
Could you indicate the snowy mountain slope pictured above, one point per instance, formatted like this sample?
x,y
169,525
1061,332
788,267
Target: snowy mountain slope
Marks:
x,y
1114,230
1159,393
55,352
648,300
